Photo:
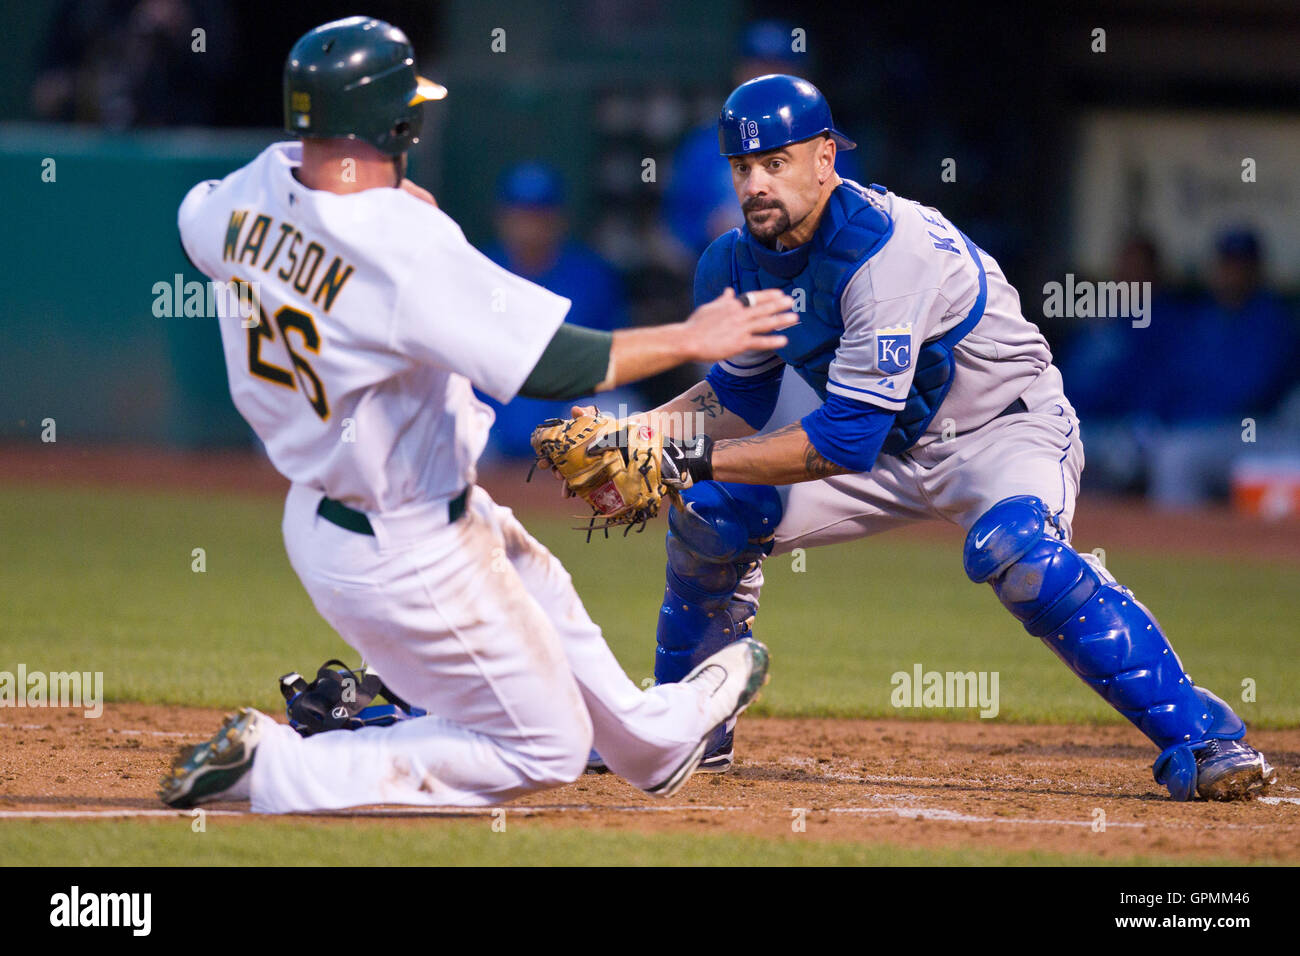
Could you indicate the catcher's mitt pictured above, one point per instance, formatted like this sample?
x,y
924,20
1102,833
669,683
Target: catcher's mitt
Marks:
x,y
622,469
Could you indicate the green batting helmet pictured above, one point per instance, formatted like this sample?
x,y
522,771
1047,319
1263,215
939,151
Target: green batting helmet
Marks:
x,y
356,79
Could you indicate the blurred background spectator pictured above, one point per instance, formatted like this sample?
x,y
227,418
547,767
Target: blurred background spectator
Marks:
x,y
1229,361
533,240
1232,350
1113,371
1167,408
1100,355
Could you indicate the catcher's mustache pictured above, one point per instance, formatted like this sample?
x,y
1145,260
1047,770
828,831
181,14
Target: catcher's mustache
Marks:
x,y
754,205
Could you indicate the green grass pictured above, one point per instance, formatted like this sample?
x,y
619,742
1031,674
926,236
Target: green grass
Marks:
x,y
442,843
102,581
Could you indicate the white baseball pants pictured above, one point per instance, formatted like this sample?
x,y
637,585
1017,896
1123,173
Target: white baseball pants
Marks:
x,y
480,625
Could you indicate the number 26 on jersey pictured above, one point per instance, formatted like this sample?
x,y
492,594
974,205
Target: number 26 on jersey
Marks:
x,y
261,332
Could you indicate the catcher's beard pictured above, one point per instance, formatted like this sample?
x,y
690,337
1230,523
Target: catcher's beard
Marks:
x,y
767,231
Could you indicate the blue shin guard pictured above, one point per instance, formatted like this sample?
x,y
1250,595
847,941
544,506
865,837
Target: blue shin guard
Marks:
x,y
1101,632
723,532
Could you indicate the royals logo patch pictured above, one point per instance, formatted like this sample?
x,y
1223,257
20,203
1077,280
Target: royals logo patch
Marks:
x,y
894,350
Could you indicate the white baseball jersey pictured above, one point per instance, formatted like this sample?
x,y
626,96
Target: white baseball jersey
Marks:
x,y
923,282
375,316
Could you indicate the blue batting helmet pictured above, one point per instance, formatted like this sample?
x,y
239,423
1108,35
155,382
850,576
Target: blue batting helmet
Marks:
x,y
772,111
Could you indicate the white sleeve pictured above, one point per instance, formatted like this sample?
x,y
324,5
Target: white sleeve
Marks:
x,y
187,221
461,311
874,361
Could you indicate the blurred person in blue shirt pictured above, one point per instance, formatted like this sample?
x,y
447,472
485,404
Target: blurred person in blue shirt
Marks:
x,y
1233,353
699,201
1222,374
1115,372
1113,369
1166,405
533,241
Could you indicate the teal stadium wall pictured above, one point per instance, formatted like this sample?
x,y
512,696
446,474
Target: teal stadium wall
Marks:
x,y
82,254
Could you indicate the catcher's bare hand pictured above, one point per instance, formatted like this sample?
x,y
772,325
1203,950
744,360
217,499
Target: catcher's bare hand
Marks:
x,y
726,326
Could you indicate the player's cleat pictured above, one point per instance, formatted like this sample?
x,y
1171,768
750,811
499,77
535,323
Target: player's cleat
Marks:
x,y
732,679
1231,770
215,768
721,755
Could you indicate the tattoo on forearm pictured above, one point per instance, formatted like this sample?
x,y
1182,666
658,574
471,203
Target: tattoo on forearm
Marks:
x,y
814,465
817,466
758,439
708,403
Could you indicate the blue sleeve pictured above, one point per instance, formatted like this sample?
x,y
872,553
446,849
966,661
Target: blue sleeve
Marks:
x,y
608,306
848,433
753,397
713,271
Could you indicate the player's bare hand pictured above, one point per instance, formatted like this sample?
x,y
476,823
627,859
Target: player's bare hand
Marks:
x,y
732,324
419,192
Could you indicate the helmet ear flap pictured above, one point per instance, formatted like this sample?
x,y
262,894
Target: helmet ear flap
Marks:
x,y
404,133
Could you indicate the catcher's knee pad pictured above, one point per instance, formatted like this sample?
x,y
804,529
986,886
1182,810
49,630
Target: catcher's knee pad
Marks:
x,y
724,530
1101,632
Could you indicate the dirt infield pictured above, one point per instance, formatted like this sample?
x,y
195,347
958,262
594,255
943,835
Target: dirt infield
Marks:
x,y
919,783
1100,522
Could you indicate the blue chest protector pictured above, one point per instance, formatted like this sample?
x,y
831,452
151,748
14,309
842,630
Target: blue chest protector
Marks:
x,y
853,229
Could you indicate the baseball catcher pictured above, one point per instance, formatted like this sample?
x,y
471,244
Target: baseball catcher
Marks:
x,y
937,399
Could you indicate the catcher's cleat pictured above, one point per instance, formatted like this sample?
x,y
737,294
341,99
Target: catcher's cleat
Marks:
x,y
721,756
732,679
210,770
1232,770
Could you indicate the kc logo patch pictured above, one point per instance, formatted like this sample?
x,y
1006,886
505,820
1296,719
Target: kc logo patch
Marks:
x,y
894,350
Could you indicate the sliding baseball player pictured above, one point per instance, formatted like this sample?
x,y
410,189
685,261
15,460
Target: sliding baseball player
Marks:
x,y
356,321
